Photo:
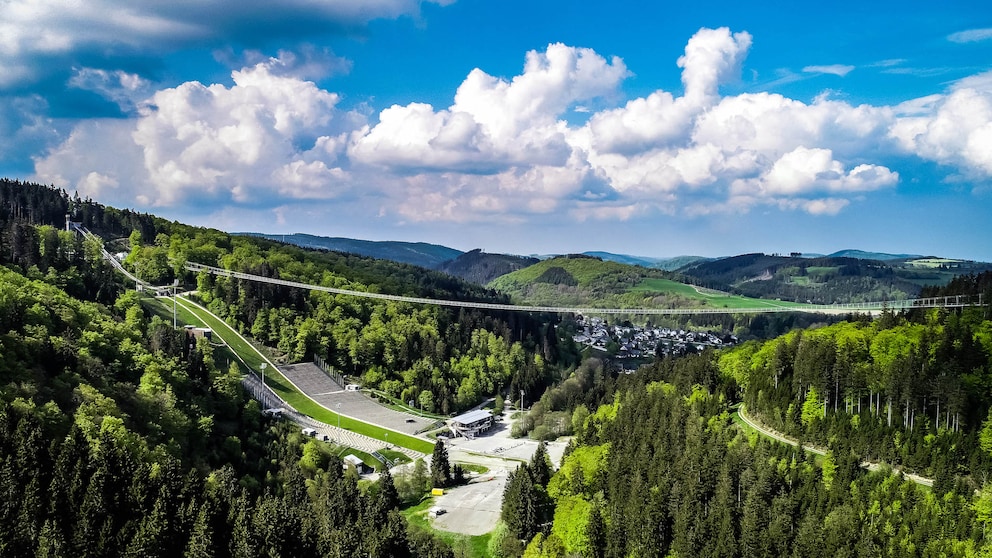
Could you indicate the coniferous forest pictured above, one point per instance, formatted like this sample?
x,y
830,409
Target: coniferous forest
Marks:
x,y
119,438
660,468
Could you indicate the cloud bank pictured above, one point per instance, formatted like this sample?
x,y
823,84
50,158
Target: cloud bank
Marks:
x,y
509,150
40,37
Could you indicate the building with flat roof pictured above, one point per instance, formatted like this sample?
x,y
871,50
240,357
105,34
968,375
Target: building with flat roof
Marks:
x,y
352,460
471,424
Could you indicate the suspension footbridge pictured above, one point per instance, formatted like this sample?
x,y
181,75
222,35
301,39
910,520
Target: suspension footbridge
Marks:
x,y
759,307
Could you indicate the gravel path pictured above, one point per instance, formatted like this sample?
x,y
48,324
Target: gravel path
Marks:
x,y
871,466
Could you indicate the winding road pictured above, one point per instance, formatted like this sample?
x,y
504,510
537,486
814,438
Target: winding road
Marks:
x,y
871,466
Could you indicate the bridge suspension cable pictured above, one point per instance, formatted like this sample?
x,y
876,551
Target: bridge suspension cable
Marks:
x,y
953,301
769,307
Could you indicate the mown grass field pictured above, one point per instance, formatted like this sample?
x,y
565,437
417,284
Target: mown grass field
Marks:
x,y
249,360
667,286
584,270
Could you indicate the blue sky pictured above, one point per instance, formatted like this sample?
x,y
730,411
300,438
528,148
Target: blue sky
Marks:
x,y
711,128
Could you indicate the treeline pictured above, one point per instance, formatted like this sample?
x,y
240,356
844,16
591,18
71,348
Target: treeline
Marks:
x,y
911,390
972,285
36,204
33,238
663,471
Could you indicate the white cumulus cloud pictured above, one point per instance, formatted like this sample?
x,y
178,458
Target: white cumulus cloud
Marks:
x,y
238,143
505,151
494,124
954,129
712,57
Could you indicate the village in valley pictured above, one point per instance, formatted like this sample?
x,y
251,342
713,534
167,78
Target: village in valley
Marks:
x,y
629,341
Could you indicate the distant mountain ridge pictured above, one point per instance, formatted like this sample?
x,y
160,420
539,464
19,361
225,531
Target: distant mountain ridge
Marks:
x,y
667,264
422,254
880,256
845,275
624,258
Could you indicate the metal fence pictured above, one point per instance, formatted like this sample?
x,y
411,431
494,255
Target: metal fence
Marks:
x,y
331,372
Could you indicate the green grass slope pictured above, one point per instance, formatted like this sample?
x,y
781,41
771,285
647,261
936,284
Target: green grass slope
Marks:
x,y
590,282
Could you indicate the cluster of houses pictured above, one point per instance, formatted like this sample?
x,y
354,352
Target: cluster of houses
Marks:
x,y
635,342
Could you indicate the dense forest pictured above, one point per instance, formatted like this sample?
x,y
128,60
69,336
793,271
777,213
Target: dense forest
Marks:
x,y
125,439
908,390
658,466
119,438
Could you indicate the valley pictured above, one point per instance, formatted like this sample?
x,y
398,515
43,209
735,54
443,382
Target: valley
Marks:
x,y
901,388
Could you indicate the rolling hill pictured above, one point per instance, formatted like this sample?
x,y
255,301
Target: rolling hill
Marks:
x,y
586,281
415,253
880,256
668,264
829,279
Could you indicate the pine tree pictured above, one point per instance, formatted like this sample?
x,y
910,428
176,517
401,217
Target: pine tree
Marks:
x,y
440,468
596,534
540,466
51,542
149,539
520,506
387,498
201,543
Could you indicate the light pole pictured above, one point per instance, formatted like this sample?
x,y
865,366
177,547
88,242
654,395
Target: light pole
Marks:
x,y
263,375
338,407
387,440
175,285
521,400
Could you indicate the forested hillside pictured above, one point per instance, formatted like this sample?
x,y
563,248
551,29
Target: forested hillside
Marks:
x,y
444,359
908,391
659,467
825,280
415,253
829,279
120,438
480,267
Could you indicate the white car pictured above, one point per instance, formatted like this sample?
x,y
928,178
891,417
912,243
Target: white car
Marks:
x,y
436,511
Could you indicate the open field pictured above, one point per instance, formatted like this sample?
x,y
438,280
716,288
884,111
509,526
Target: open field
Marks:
x,y
933,262
667,286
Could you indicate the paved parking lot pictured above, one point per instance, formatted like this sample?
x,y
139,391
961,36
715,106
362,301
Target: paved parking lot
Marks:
x,y
472,509
498,443
325,391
